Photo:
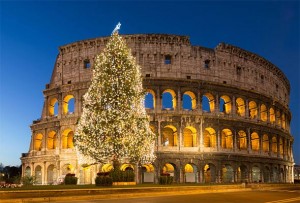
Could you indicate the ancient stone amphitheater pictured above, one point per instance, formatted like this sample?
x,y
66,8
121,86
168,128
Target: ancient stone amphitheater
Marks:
x,y
221,115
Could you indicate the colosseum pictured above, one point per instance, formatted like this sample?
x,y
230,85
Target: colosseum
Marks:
x,y
220,115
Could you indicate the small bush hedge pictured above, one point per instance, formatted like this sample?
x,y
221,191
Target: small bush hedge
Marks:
x,y
70,179
165,179
103,181
122,176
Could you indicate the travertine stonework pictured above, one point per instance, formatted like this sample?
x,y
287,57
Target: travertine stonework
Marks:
x,y
237,128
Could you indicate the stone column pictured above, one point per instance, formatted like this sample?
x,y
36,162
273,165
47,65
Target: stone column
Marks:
x,y
44,180
158,107
260,136
234,141
201,134
247,108
179,101
218,139
159,133
199,101
249,140
217,104
278,145
233,103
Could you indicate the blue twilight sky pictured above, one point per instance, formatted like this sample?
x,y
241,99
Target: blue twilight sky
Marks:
x,y
32,31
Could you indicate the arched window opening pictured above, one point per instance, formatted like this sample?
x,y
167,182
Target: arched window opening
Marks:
x,y
169,99
188,100
227,174
68,104
107,168
242,174
53,107
169,168
272,116
267,174
227,140
283,121
225,104
263,113
189,137
51,140
242,140
281,146
38,175
149,168
255,174
169,136
150,99
209,137
252,109
67,139
266,143
240,107
274,144
254,141
28,171
208,103
127,167
278,118
209,173
38,142
50,174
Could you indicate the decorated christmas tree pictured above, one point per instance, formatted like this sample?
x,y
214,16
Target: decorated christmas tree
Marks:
x,y
114,125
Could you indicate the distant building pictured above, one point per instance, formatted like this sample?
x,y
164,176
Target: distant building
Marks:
x,y
235,128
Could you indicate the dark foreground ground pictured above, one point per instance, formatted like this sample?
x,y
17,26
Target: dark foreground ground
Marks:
x,y
258,193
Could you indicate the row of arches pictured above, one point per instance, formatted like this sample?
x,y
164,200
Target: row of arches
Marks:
x,y
225,104
206,172
227,139
68,105
52,140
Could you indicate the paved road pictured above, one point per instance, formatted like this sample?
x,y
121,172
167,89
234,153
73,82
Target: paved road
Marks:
x,y
256,196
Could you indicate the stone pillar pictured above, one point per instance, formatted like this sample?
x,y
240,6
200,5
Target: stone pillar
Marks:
x,y
249,140
199,101
258,111
233,103
247,108
278,145
201,134
260,142
179,101
159,134
268,115
218,139
201,175
234,141
44,175
217,104
158,101
77,105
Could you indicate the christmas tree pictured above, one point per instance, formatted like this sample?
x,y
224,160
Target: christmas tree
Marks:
x,y
114,125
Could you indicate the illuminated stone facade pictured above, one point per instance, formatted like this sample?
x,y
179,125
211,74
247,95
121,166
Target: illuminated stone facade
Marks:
x,y
234,126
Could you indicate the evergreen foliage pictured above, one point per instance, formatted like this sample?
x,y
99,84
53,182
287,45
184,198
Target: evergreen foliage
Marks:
x,y
114,125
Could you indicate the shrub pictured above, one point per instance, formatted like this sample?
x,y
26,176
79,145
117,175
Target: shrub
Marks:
x,y
103,181
70,179
28,180
165,179
122,176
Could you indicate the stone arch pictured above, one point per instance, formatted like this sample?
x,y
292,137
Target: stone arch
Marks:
x,y
255,141
242,172
281,146
169,99
263,113
266,143
240,107
148,172
38,175
68,104
150,101
53,107
227,174
208,102
67,139
189,137
274,144
225,104
67,168
242,140
209,137
50,174
107,168
27,171
278,118
272,115
170,168
209,173
226,139
252,109
38,140
126,167
189,100
190,173
255,174
169,136
51,140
